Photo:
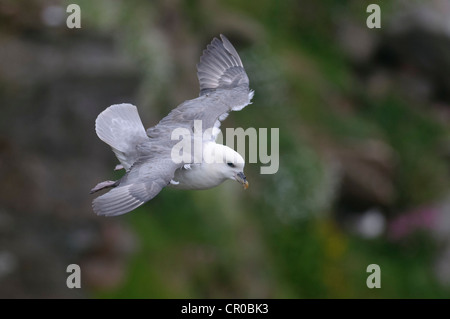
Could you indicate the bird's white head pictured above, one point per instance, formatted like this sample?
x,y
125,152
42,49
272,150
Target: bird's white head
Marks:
x,y
225,162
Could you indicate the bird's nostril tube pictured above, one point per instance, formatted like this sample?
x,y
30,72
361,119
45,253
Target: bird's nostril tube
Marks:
x,y
241,175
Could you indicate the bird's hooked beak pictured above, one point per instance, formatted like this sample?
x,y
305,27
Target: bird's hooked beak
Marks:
x,y
240,177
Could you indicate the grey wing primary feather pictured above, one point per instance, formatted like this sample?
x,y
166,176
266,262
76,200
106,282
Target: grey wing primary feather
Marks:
x,y
121,200
141,183
220,67
124,199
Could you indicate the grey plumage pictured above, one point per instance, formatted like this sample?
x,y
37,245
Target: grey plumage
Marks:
x,y
146,155
220,66
120,127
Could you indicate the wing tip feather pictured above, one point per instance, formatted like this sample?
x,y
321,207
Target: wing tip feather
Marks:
x,y
220,66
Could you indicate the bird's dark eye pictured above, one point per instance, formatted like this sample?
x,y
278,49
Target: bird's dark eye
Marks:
x,y
230,164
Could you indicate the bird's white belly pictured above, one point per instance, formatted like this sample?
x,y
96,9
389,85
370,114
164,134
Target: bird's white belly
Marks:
x,y
198,176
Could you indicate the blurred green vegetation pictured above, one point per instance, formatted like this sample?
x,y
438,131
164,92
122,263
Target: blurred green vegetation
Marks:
x,y
280,238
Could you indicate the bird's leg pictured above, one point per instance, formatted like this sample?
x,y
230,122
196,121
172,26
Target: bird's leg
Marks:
x,y
102,185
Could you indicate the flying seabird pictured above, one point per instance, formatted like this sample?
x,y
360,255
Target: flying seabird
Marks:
x,y
148,156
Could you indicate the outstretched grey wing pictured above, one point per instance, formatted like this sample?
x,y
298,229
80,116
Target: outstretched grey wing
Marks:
x,y
224,87
146,178
220,67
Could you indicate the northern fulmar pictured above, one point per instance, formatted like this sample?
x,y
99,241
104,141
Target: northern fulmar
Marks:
x,y
152,158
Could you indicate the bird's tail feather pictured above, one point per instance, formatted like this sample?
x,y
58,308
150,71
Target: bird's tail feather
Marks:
x,y
120,127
